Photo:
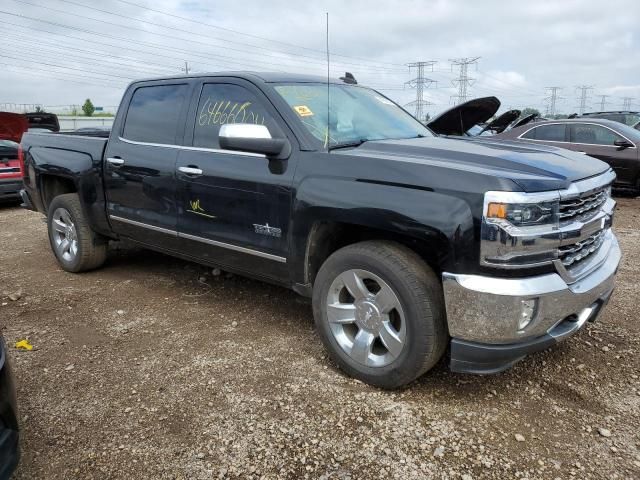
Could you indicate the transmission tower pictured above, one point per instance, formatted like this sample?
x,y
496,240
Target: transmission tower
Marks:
x,y
420,83
603,101
552,99
463,82
584,94
627,103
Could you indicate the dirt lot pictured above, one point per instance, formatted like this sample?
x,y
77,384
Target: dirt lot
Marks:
x,y
153,368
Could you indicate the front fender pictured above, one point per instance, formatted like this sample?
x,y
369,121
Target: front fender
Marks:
x,y
419,213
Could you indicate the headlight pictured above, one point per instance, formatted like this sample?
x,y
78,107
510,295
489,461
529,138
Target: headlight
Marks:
x,y
523,214
519,229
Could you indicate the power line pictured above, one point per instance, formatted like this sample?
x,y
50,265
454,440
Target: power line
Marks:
x,y
223,58
33,70
99,55
420,83
463,81
552,99
584,94
253,47
237,32
48,53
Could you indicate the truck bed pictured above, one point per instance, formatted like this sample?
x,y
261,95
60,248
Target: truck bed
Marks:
x,y
89,145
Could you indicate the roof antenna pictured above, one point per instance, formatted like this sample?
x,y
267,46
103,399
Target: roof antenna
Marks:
x,y
326,137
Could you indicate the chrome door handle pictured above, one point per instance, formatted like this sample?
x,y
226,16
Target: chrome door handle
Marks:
x,y
190,170
580,151
115,161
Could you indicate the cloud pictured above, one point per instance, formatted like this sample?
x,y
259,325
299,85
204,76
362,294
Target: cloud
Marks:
x,y
57,52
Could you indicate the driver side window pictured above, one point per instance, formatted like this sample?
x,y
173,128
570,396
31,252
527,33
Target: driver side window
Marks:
x,y
225,103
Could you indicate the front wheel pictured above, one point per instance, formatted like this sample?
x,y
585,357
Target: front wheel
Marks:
x,y
379,310
76,247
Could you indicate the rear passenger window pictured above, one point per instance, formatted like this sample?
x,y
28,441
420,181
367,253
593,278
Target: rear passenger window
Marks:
x,y
550,133
222,103
154,113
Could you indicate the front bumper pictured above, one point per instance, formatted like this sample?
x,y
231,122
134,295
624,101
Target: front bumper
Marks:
x,y
484,313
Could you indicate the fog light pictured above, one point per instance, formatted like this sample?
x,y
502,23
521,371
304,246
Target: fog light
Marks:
x,y
527,312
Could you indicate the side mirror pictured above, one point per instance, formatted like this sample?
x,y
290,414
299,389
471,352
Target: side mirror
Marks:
x,y
248,137
622,144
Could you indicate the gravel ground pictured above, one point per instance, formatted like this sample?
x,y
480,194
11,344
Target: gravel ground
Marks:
x,y
152,367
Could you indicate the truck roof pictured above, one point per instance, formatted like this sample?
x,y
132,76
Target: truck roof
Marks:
x,y
267,77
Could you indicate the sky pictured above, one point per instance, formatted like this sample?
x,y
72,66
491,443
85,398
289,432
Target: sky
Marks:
x,y
59,52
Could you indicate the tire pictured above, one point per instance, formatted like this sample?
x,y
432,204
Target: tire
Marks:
x,y
409,339
84,249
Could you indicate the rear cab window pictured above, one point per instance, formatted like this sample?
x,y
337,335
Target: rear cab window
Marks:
x,y
154,113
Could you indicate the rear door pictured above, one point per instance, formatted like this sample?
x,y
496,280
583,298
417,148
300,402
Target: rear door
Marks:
x,y
234,207
139,170
598,141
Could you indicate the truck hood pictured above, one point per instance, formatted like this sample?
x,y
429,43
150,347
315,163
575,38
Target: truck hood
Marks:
x,y
524,120
12,126
459,119
531,167
500,123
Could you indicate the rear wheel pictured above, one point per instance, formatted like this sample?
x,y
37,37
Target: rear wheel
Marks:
x,y
379,310
76,247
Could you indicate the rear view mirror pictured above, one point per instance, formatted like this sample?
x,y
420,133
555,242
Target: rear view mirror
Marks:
x,y
622,144
248,137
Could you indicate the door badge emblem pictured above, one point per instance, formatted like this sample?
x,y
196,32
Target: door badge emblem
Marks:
x,y
267,230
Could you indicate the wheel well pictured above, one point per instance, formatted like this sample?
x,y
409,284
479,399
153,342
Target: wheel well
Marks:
x,y
53,186
327,237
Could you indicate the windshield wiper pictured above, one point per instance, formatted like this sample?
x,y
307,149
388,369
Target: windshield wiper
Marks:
x,y
354,143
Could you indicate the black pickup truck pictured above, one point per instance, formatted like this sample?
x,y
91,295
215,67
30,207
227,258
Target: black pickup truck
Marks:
x,y
408,243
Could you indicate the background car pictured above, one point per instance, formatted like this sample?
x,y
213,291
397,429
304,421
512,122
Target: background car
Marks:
x,y
627,117
10,171
473,119
612,142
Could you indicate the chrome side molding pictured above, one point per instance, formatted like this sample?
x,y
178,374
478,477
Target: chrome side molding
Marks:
x,y
208,241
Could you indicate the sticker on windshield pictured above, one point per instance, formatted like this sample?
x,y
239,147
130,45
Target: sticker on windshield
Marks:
x,y
384,100
303,110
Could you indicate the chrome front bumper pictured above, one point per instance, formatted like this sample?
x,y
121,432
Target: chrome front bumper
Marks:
x,y
488,310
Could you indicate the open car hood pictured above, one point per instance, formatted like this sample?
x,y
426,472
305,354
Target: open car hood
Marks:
x,y
524,120
459,119
500,124
43,120
12,126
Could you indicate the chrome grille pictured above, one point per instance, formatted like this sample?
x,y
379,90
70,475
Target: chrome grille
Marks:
x,y
584,206
574,253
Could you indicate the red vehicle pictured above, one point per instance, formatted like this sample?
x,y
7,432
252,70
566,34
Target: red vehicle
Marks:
x,y
12,126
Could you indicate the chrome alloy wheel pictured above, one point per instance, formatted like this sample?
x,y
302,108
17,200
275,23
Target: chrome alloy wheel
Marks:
x,y
366,318
65,237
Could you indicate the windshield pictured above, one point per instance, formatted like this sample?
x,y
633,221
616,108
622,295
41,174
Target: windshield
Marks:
x,y
356,114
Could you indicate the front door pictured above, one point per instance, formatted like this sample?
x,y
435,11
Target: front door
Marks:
x,y
140,164
598,141
234,207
